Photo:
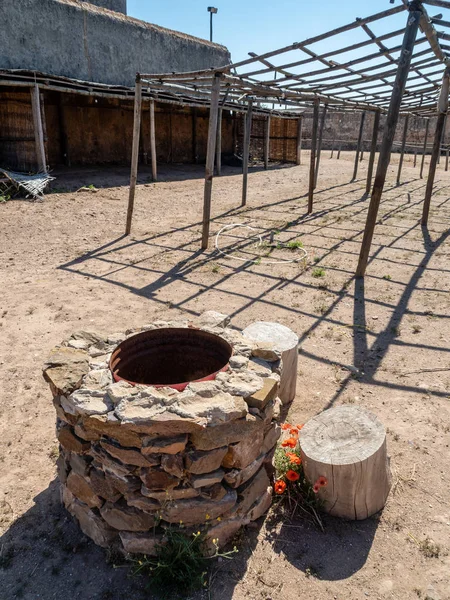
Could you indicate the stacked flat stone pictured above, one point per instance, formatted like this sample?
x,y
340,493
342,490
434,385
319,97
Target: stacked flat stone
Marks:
x,y
135,460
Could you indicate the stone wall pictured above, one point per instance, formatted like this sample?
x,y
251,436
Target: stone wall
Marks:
x,y
80,41
135,460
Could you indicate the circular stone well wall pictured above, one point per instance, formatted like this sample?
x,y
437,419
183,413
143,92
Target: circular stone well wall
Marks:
x,y
136,459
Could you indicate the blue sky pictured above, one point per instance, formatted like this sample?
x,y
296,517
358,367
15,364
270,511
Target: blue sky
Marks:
x,y
263,25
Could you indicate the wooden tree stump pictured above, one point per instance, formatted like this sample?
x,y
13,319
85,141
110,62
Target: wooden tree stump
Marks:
x,y
347,445
285,341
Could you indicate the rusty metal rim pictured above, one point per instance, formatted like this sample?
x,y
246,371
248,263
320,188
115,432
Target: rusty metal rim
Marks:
x,y
177,386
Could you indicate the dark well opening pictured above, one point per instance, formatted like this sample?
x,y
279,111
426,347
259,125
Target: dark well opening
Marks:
x,y
170,357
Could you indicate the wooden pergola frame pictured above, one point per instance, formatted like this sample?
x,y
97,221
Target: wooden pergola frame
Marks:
x,y
394,81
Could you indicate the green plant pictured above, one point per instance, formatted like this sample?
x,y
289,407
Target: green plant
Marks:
x,y
296,495
318,272
180,564
387,277
294,244
4,198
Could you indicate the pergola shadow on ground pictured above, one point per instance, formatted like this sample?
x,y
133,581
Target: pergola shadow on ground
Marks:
x,y
331,236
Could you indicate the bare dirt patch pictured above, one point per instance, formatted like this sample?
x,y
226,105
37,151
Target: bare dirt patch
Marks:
x,y
65,266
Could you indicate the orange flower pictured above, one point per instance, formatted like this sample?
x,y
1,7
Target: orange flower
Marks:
x,y
316,488
286,426
294,432
292,475
289,443
279,486
322,481
295,460
299,427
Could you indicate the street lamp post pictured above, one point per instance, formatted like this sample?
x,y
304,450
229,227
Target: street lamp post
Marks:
x,y
212,11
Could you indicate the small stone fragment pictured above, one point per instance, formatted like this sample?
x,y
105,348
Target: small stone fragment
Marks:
x,y
260,367
251,491
137,500
199,481
263,396
237,477
123,484
168,495
211,318
238,362
227,433
198,510
266,351
214,492
80,464
70,442
108,462
120,390
243,453
90,337
126,518
220,408
240,384
129,456
65,369
81,489
164,445
199,462
62,467
271,438
102,486
92,525
115,339
143,407
173,464
261,506
98,425
97,379
87,402
157,479
141,543
204,389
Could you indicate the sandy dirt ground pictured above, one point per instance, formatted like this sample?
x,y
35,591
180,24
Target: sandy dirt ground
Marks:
x,y
65,266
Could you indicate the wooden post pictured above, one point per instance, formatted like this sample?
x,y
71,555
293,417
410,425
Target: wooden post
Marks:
x,y
153,139
442,113
211,150
427,126
194,135
267,142
373,150
332,147
339,152
135,150
312,162
219,143
358,144
345,447
38,129
299,140
402,151
415,158
284,341
404,62
246,151
442,140
319,145
446,159
64,140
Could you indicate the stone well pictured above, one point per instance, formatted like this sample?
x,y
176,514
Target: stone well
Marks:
x,y
136,458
